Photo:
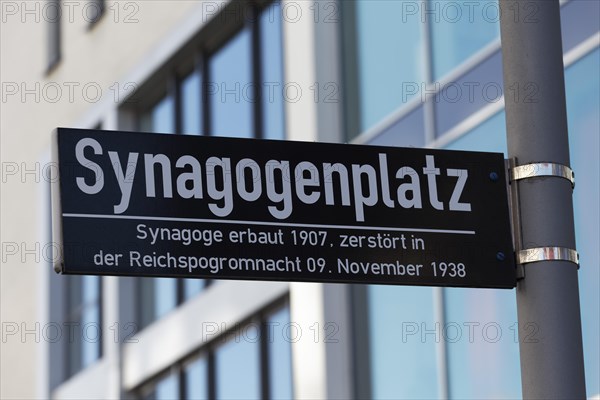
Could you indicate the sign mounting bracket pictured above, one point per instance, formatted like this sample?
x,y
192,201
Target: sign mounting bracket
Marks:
x,y
536,254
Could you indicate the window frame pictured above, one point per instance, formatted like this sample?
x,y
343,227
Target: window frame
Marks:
x,y
195,57
74,314
261,319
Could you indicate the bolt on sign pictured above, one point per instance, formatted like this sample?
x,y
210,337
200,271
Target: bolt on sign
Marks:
x,y
144,204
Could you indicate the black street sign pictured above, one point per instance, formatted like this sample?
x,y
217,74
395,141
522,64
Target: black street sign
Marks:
x,y
204,207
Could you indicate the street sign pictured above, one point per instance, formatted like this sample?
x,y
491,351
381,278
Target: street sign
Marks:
x,y
222,208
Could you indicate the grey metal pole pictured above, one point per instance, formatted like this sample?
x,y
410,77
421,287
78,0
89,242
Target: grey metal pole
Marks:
x,y
549,316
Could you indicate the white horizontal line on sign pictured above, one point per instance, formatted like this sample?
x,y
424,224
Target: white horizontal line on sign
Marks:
x,y
237,222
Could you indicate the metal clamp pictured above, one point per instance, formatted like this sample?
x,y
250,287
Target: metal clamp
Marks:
x,y
543,169
547,254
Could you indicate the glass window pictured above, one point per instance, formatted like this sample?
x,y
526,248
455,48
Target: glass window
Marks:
x,y
192,287
225,86
237,366
83,318
168,388
230,91
481,331
409,131
579,20
157,297
459,29
481,336
160,118
474,90
165,389
196,379
191,106
583,106
489,136
271,62
403,343
192,124
165,295
384,63
280,355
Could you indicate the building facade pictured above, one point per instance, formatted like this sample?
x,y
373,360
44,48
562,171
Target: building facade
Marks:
x,y
424,73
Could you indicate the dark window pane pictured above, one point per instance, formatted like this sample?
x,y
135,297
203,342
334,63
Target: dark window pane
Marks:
x,y
160,118
483,355
408,131
146,301
157,297
280,355
191,287
403,365
272,72
230,90
163,116
83,322
166,389
196,380
388,53
477,88
191,107
460,29
237,366
489,136
91,320
579,19
165,295
583,106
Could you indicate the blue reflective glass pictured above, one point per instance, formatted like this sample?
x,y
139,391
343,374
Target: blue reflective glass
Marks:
x,y
489,136
191,107
481,331
402,343
163,116
583,106
390,57
196,380
165,295
230,91
474,90
237,367
579,20
75,295
167,388
192,287
90,288
157,297
91,335
83,317
409,131
481,335
459,29
280,355
272,72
